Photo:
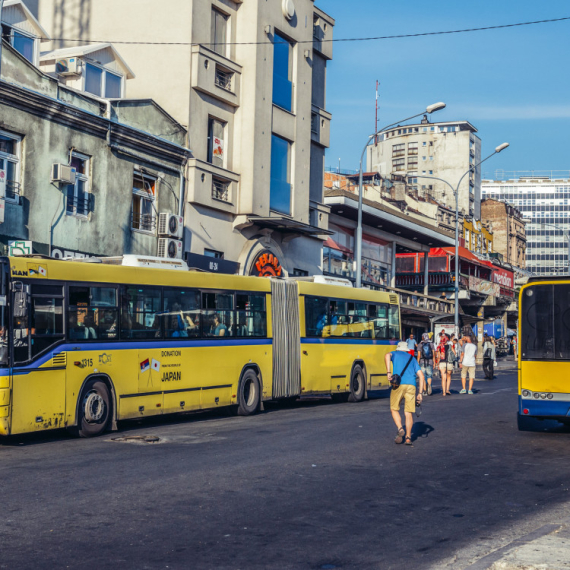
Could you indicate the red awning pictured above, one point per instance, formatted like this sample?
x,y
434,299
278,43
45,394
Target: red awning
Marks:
x,y
333,245
464,253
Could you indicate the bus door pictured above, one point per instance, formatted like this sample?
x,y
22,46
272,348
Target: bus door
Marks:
x,y
38,371
5,375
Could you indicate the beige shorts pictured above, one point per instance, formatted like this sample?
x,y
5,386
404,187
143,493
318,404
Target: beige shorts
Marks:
x,y
470,370
405,392
445,367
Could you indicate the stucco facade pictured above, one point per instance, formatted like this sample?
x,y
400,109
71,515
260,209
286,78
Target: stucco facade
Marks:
x,y
443,150
43,123
230,86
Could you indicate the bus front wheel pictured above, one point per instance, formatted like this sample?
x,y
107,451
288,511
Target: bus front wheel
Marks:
x,y
357,384
249,395
94,409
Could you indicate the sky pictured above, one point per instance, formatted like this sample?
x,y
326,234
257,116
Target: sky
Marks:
x,y
512,84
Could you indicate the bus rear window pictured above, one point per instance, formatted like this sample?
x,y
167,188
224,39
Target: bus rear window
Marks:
x,y
545,323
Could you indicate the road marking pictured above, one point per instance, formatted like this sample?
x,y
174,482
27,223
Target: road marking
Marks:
x,y
497,391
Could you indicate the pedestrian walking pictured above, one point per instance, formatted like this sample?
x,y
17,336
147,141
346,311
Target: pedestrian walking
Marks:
x,y
445,357
488,358
402,369
516,347
426,355
412,345
440,335
467,364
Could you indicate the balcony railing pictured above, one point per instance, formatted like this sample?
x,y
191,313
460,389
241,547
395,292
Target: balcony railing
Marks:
x,y
13,190
144,222
224,79
77,206
220,190
436,279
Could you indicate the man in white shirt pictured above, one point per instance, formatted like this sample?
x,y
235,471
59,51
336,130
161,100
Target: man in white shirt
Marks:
x,y
468,363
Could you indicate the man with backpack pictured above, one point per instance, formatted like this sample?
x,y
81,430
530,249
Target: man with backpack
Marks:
x,y
402,369
426,353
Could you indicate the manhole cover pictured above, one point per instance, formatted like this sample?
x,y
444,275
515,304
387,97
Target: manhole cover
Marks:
x,y
137,439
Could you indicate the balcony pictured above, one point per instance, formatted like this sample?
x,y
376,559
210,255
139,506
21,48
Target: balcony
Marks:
x,y
435,279
323,33
212,186
216,75
13,191
320,126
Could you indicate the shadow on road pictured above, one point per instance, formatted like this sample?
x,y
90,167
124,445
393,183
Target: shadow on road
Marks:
x,y
421,429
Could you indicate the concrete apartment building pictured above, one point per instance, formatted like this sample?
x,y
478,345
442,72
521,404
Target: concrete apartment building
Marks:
x,y
509,234
248,81
445,150
543,200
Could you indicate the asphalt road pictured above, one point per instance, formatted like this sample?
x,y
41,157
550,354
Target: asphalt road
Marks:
x,y
315,485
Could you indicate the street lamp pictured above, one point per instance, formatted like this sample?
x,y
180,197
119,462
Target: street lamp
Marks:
x,y
455,191
430,109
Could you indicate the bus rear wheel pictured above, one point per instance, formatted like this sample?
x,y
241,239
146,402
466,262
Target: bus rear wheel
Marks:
x,y
249,395
94,409
357,384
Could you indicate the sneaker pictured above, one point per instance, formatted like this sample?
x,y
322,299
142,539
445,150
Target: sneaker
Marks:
x,y
429,390
470,391
464,391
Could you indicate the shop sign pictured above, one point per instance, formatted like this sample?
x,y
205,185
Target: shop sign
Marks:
x,y
19,247
503,278
211,264
483,286
267,265
57,253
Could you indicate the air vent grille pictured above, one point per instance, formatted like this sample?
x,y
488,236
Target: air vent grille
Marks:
x,y
393,299
60,359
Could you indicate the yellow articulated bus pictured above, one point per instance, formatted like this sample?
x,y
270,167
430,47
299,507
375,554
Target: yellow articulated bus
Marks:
x,y
544,351
84,344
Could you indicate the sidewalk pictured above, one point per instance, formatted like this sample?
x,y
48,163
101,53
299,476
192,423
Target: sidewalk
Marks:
x,y
546,548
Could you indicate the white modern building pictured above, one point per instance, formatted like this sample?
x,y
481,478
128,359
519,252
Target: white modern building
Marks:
x,y
248,81
445,150
544,201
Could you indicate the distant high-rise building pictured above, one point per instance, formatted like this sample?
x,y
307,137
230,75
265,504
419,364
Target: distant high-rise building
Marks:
x,y
543,201
444,150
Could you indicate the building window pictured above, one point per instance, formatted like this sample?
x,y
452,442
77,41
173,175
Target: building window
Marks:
x,y
214,253
398,150
300,273
219,39
216,131
280,189
220,189
102,83
144,197
399,164
224,78
78,193
10,164
282,66
315,123
25,45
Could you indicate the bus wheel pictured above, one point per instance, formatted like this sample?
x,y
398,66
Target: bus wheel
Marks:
x,y
249,395
357,384
94,409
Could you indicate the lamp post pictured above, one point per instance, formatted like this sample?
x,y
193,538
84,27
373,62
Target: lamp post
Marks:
x,y
431,109
456,193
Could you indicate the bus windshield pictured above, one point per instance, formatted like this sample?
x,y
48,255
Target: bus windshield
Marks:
x,y
3,315
545,322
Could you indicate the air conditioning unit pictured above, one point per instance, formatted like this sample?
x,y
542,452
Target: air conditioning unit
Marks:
x,y
68,66
170,225
169,248
63,174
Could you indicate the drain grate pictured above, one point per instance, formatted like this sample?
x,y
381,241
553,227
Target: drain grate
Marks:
x,y
137,439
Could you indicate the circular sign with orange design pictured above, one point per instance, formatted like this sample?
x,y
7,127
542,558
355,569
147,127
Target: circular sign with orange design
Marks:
x,y
266,265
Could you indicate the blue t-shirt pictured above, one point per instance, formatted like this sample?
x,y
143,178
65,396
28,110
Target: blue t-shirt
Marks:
x,y
399,361
412,343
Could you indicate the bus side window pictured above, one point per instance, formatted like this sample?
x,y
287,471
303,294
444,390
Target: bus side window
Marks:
x,y
394,322
92,313
46,319
381,323
141,312
316,316
217,314
181,313
250,318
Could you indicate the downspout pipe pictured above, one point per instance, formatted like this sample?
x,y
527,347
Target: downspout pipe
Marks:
x,y
1,40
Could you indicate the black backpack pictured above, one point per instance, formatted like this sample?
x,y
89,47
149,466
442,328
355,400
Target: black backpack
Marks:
x,y
427,352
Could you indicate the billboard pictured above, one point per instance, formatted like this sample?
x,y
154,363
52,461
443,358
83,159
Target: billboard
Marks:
x,y
503,277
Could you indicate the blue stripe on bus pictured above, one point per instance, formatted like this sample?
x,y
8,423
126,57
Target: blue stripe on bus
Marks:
x,y
544,408
348,341
125,345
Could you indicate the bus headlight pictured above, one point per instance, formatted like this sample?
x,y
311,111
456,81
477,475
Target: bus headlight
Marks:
x,y
526,393
536,395
543,396
550,396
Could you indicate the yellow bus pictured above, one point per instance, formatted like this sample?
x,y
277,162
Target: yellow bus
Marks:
x,y
85,344
544,351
